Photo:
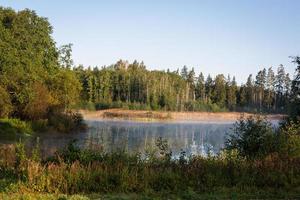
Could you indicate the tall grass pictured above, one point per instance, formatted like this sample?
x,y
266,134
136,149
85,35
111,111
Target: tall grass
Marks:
x,y
73,171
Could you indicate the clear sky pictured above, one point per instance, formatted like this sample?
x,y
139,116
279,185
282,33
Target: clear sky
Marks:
x,y
236,37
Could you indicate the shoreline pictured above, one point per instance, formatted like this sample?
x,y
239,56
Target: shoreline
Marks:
x,y
165,116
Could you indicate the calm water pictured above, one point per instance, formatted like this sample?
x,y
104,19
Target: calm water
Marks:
x,y
193,138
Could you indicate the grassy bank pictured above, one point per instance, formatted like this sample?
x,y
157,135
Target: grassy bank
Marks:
x,y
15,126
60,121
155,175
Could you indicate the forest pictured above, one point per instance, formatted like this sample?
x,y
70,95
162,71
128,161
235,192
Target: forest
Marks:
x,y
36,77
131,85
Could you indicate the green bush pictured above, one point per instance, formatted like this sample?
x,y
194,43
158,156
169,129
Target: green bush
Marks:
x,y
255,137
15,126
288,143
66,121
252,137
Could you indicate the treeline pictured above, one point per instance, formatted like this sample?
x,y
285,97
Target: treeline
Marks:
x,y
133,86
38,79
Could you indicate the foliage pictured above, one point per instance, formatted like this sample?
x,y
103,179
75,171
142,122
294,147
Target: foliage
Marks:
x,y
38,103
36,76
65,56
65,88
163,148
252,137
73,170
185,195
5,104
130,84
34,196
31,79
14,126
289,139
295,92
66,121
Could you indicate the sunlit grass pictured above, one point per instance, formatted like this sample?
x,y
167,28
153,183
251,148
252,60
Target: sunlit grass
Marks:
x,y
157,176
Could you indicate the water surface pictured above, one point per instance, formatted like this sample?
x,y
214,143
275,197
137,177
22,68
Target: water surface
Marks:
x,y
111,135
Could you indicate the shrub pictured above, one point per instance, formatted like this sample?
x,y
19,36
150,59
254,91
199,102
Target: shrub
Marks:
x,y
66,121
252,137
39,101
289,139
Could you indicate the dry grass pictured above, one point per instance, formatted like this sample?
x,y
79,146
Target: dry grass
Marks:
x,y
169,116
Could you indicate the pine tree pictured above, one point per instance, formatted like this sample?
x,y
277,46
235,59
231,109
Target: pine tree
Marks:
x,y
287,84
260,86
184,73
270,85
250,95
208,88
200,88
242,96
219,90
279,87
191,84
295,91
231,93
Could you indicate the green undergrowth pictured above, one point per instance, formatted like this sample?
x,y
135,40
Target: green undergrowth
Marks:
x,y
15,126
155,175
39,196
64,122
222,193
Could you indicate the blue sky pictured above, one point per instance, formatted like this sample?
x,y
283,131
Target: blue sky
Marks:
x,y
236,37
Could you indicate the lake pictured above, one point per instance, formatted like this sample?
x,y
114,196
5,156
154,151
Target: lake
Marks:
x,y
197,138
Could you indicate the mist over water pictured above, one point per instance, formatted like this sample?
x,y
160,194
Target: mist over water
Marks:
x,y
132,137
194,138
